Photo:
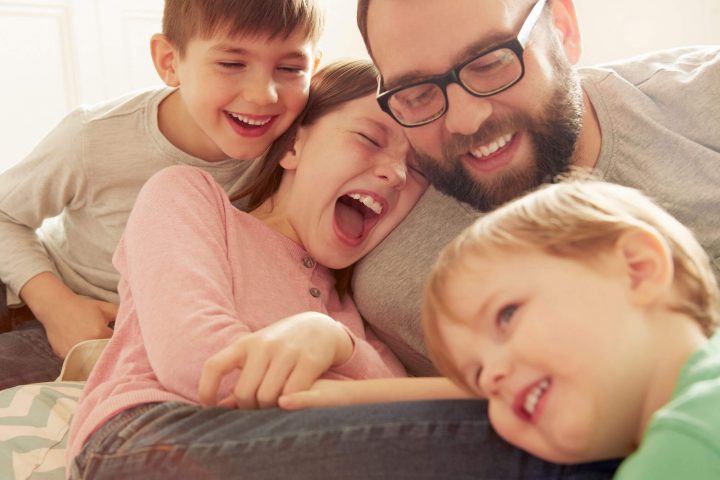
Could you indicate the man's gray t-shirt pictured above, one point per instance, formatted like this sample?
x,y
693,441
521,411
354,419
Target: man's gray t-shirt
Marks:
x,y
659,116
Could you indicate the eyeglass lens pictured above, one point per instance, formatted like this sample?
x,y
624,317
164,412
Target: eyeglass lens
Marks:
x,y
485,75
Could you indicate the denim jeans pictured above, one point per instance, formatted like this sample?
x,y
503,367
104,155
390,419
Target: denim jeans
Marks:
x,y
26,356
410,440
25,353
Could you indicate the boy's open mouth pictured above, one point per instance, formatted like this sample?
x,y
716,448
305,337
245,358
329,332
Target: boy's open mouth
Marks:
x,y
355,215
250,122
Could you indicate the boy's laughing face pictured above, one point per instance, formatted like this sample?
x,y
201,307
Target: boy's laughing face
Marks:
x,y
237,95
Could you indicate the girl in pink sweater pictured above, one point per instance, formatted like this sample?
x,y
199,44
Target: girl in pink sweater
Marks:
x,y
222,306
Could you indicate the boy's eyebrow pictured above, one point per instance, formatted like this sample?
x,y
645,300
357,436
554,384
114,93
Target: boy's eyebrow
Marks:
x,y
235,50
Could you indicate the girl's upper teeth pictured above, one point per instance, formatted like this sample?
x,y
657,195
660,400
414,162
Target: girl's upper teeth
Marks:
x,y
250,121
533,397
368,201
492,147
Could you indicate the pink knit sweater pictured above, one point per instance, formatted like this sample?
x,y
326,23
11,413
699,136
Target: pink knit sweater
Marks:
x,y
196,274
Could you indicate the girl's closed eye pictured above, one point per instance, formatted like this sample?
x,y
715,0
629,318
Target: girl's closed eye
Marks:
x,y
370,139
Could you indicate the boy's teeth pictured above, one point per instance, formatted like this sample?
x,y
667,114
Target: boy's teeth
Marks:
x,y
368,201
533,397
492,147
250,121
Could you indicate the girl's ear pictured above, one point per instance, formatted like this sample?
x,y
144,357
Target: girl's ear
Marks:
x,y
165,57
291,159
566,26
648,265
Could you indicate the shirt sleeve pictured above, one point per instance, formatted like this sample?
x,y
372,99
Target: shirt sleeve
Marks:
x,y
370,357
174,261
671,455
48,180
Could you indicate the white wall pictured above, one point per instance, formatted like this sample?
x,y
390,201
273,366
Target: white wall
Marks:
x,y
56,54
611,29
614,29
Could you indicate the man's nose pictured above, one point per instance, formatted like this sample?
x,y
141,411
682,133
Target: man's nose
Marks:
x,y
465,113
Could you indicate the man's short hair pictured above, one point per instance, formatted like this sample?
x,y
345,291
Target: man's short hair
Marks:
x,y
187,19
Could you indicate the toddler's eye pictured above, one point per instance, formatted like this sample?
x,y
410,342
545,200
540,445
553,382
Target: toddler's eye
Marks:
x,y
505,316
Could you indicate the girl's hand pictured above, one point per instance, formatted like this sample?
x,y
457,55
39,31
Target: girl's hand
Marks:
x,y
282,358
330,393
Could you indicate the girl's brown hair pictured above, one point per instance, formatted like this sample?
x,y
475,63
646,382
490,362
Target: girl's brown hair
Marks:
x,y
330,88
186,19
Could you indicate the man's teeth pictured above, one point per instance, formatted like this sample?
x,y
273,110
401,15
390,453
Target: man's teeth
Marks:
x,y
250,121
533,397
368,201
492,147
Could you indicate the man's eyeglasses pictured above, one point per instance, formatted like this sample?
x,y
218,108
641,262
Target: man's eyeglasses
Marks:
x,y
488,73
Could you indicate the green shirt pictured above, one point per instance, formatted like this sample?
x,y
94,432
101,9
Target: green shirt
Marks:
x,y
683,438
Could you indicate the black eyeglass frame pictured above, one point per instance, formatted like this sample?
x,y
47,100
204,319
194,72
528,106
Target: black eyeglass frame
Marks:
x,y
516,45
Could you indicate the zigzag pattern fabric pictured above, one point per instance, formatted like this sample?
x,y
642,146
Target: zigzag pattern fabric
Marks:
x,y
34,425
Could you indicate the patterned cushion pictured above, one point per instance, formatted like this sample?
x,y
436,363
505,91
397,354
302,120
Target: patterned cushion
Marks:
x,y
34,425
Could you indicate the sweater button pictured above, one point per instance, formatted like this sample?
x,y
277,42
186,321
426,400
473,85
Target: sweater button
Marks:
x,y
308,262
315,292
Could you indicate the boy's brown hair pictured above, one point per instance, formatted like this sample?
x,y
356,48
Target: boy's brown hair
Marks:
x,y
573,219
187,19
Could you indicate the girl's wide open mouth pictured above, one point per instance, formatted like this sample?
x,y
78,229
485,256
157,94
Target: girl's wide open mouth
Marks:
x,y
356,213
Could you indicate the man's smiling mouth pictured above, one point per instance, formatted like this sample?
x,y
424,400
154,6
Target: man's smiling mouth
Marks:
x,y
492,147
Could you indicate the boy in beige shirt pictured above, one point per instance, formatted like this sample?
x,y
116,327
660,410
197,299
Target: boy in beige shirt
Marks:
x,y
237,76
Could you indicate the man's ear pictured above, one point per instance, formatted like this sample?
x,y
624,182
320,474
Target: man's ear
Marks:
x,y
165,58
648,265
566,26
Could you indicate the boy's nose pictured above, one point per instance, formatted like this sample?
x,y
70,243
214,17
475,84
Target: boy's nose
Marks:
x,y
260,90
465,113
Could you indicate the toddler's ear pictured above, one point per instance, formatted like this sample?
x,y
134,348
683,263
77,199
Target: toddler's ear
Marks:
x,y
648,265
165,56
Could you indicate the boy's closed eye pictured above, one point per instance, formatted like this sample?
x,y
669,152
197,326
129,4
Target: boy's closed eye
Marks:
x,y
293,70
231,65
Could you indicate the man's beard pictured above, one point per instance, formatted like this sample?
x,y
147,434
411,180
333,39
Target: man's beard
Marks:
x,y
554,134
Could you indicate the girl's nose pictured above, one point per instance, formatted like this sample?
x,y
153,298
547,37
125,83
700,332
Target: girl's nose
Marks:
x,y
392,170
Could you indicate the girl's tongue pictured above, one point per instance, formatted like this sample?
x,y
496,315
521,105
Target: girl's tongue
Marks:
x,y
349,218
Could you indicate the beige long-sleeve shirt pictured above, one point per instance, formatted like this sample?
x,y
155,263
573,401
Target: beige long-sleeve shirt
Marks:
x,y
64,207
